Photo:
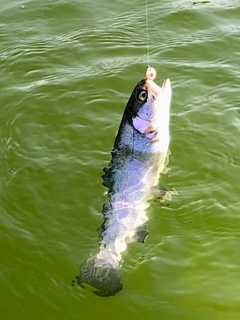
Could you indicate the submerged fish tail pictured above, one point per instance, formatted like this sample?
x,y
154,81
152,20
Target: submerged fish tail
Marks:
x,y
105,278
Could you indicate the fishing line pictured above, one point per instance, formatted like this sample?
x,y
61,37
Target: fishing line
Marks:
x,y
147,45
151,72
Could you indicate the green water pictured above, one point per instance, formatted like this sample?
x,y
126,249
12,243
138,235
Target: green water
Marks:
x,y
67,70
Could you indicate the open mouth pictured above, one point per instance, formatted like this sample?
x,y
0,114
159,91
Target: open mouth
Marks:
x,y
166,83
154,89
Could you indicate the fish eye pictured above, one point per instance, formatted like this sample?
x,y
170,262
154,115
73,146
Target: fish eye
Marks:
x,y
142,95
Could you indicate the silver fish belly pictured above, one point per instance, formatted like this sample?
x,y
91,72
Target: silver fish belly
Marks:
x,y
138,158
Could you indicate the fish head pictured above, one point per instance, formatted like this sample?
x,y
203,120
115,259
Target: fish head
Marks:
x,y
151,111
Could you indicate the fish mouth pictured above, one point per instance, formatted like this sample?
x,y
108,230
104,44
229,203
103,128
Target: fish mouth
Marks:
x,y
154,89
166,85
153,114
157,90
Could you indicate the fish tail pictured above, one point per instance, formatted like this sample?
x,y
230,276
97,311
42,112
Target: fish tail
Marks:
x,y
103,277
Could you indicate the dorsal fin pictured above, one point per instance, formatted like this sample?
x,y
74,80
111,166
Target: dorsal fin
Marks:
x,y
106,177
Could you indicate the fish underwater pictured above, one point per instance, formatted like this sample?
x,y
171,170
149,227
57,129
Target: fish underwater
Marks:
x,y
139,156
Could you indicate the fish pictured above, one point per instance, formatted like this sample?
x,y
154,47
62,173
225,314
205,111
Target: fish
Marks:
x,y
139,156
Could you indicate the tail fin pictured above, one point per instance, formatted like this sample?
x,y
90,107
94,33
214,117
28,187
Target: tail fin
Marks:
x,y
106,279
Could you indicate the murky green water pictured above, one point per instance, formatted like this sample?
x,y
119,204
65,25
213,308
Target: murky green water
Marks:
x,y
67,70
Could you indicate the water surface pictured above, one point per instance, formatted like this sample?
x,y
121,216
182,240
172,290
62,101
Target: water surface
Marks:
x,y
67,70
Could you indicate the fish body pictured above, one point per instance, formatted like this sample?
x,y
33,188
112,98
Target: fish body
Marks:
x,y
138,158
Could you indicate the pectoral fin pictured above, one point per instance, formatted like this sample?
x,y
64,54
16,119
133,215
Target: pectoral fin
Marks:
x,y
162,193
141,234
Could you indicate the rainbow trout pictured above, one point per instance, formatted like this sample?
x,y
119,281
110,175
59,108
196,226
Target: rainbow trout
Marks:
x,y
138,158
